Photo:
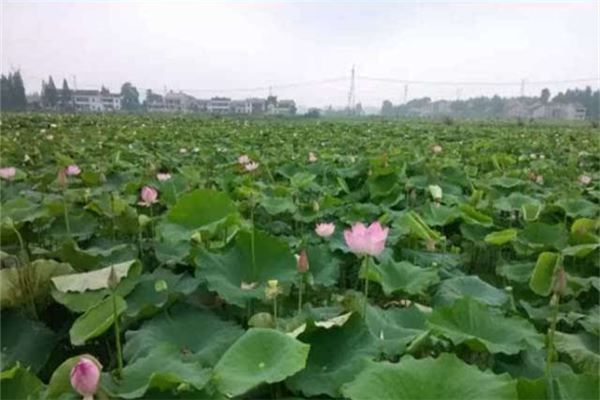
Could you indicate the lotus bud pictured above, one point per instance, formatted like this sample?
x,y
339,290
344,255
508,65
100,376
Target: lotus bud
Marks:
x,y
62,177
560,282
316,206
85,376
436,193
148,196
302,262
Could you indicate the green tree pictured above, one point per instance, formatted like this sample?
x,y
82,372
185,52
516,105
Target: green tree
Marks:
x,y
65,96
49,93
545,96
6,98
18,92
130,98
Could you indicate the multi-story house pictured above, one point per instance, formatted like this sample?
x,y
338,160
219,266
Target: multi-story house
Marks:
x,y
96,100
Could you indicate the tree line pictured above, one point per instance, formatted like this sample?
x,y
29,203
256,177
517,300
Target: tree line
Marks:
x,y
13,97
494,107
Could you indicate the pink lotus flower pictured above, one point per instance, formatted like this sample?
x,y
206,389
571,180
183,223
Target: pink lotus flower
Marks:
x,y
325,229
148,196
311,157
85,376
243,159
163,176
251,166
585,179
7,173
73,170
366,241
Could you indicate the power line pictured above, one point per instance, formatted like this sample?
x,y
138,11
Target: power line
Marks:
x,y
474,83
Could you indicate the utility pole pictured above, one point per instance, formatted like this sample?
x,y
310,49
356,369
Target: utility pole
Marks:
x,y
405,93
523,88
74,78
351,94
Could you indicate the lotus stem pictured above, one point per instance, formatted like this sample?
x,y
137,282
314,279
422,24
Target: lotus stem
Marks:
x,y
275,312
550,354
66,212
252,243
117,336
300,288
366,262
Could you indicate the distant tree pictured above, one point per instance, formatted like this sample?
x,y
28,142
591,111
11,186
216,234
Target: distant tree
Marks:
x,y
49,93
18,92
313,113
65,96
130,98
358,110
545,96
387,108
6,98
12,96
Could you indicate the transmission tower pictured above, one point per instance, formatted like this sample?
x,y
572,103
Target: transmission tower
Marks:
x,y
523,88
351,94
405,93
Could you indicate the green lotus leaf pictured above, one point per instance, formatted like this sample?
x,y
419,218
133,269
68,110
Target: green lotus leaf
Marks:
x,y
395,328
543,273
259,356
19,383
454,289
480,327
324,268
579,208
225,272
25,341
539,234
499,238
96,320
404,277
336,356
583,348
165,368
591,322
18,285
420,379
95,280
278,205
580,250
156,290
191,330
440,215
472,216
202,209
566,386
515,201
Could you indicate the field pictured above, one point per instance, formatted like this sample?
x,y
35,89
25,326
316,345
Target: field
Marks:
x,y
152,247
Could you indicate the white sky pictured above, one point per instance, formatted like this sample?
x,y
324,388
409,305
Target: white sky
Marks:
x,y
198,46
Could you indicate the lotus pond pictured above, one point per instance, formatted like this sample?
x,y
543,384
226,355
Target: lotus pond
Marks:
x,y
176,257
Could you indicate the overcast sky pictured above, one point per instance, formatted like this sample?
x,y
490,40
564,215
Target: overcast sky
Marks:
x,y
201,46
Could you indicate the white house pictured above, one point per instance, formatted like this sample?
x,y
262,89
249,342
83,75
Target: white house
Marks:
x,y
96,100
219,105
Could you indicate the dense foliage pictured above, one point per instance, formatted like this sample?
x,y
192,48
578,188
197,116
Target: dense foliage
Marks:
x,y
151,237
